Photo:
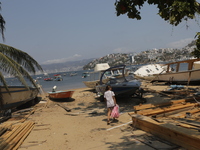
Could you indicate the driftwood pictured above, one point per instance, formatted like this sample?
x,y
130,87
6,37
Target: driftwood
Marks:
x,y
64,107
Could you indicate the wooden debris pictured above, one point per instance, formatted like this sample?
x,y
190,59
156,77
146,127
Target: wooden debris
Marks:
x,y
172,121
64,107
13,138
186,138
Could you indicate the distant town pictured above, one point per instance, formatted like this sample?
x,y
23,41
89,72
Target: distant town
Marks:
x,y
144,57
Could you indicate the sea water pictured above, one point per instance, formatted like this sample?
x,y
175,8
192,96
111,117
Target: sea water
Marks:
x,y
68,82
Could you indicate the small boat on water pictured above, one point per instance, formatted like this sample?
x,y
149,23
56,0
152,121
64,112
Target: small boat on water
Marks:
x,y
122,86
16,96
48,79
58,77
181,72
85,74
60,95
73,74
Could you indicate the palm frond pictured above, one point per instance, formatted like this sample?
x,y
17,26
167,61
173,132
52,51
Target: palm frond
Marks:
x,y
11,67
2,25
20,57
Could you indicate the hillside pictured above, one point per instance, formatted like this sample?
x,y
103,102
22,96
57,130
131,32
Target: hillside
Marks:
x,y
144,57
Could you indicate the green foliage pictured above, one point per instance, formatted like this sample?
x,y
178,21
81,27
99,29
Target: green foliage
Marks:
x,y
196,52
17,63
173,11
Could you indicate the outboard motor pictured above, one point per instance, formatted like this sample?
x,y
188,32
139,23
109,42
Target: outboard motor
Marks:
x,y
54,89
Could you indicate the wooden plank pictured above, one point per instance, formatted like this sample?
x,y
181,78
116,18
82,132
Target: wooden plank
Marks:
x,y
146,106
160,110
190,122
186,138
164,110
183,113
64,107
174,113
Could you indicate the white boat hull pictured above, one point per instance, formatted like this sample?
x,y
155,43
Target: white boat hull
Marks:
x,y
148,72
192,77
18,96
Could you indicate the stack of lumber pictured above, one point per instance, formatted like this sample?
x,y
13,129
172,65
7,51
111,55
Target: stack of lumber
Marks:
x,y
13,134
170,121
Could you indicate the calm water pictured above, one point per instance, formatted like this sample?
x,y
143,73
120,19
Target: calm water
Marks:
x,y
69,82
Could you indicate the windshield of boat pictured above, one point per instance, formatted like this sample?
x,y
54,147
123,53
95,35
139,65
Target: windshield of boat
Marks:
x,y
115,80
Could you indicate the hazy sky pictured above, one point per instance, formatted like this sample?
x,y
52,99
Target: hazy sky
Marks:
x,y
58,31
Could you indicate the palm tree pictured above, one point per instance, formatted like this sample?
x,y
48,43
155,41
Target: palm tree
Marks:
x,y
2,25
17,63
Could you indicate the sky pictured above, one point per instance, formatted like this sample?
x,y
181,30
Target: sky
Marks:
x,y
69,30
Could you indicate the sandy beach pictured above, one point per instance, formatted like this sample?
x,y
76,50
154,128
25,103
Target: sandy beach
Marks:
x,y
85,127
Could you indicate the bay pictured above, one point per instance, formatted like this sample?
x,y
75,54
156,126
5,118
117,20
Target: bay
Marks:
x,y
68,82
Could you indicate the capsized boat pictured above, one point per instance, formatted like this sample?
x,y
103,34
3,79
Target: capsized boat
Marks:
x,y
181,72
148,72
16,96
122,86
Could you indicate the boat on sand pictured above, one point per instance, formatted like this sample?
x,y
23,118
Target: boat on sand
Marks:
x,y
181,72
121,85
16,96
148,72
60,95
95,75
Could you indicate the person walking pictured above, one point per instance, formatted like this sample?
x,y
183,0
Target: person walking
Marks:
x,y
109,97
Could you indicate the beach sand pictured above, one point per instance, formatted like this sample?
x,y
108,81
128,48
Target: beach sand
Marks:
x,y
85,127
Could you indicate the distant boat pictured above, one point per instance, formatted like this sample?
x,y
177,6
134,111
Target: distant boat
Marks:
x,y
46,75
38,78
121,85
174,74
60,95
16,96
58,77
73,74
48,79
85,74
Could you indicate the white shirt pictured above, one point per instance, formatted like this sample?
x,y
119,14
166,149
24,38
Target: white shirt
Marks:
x,y
108,95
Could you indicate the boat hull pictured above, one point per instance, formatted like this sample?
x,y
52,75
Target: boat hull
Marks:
x,y
60,94
183,77
148,72
18,96
122,85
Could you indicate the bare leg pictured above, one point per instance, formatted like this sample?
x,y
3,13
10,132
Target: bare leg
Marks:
x,y
109,112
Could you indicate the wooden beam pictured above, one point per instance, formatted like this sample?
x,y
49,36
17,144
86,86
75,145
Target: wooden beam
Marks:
x,y
140,107
186,138
166,109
